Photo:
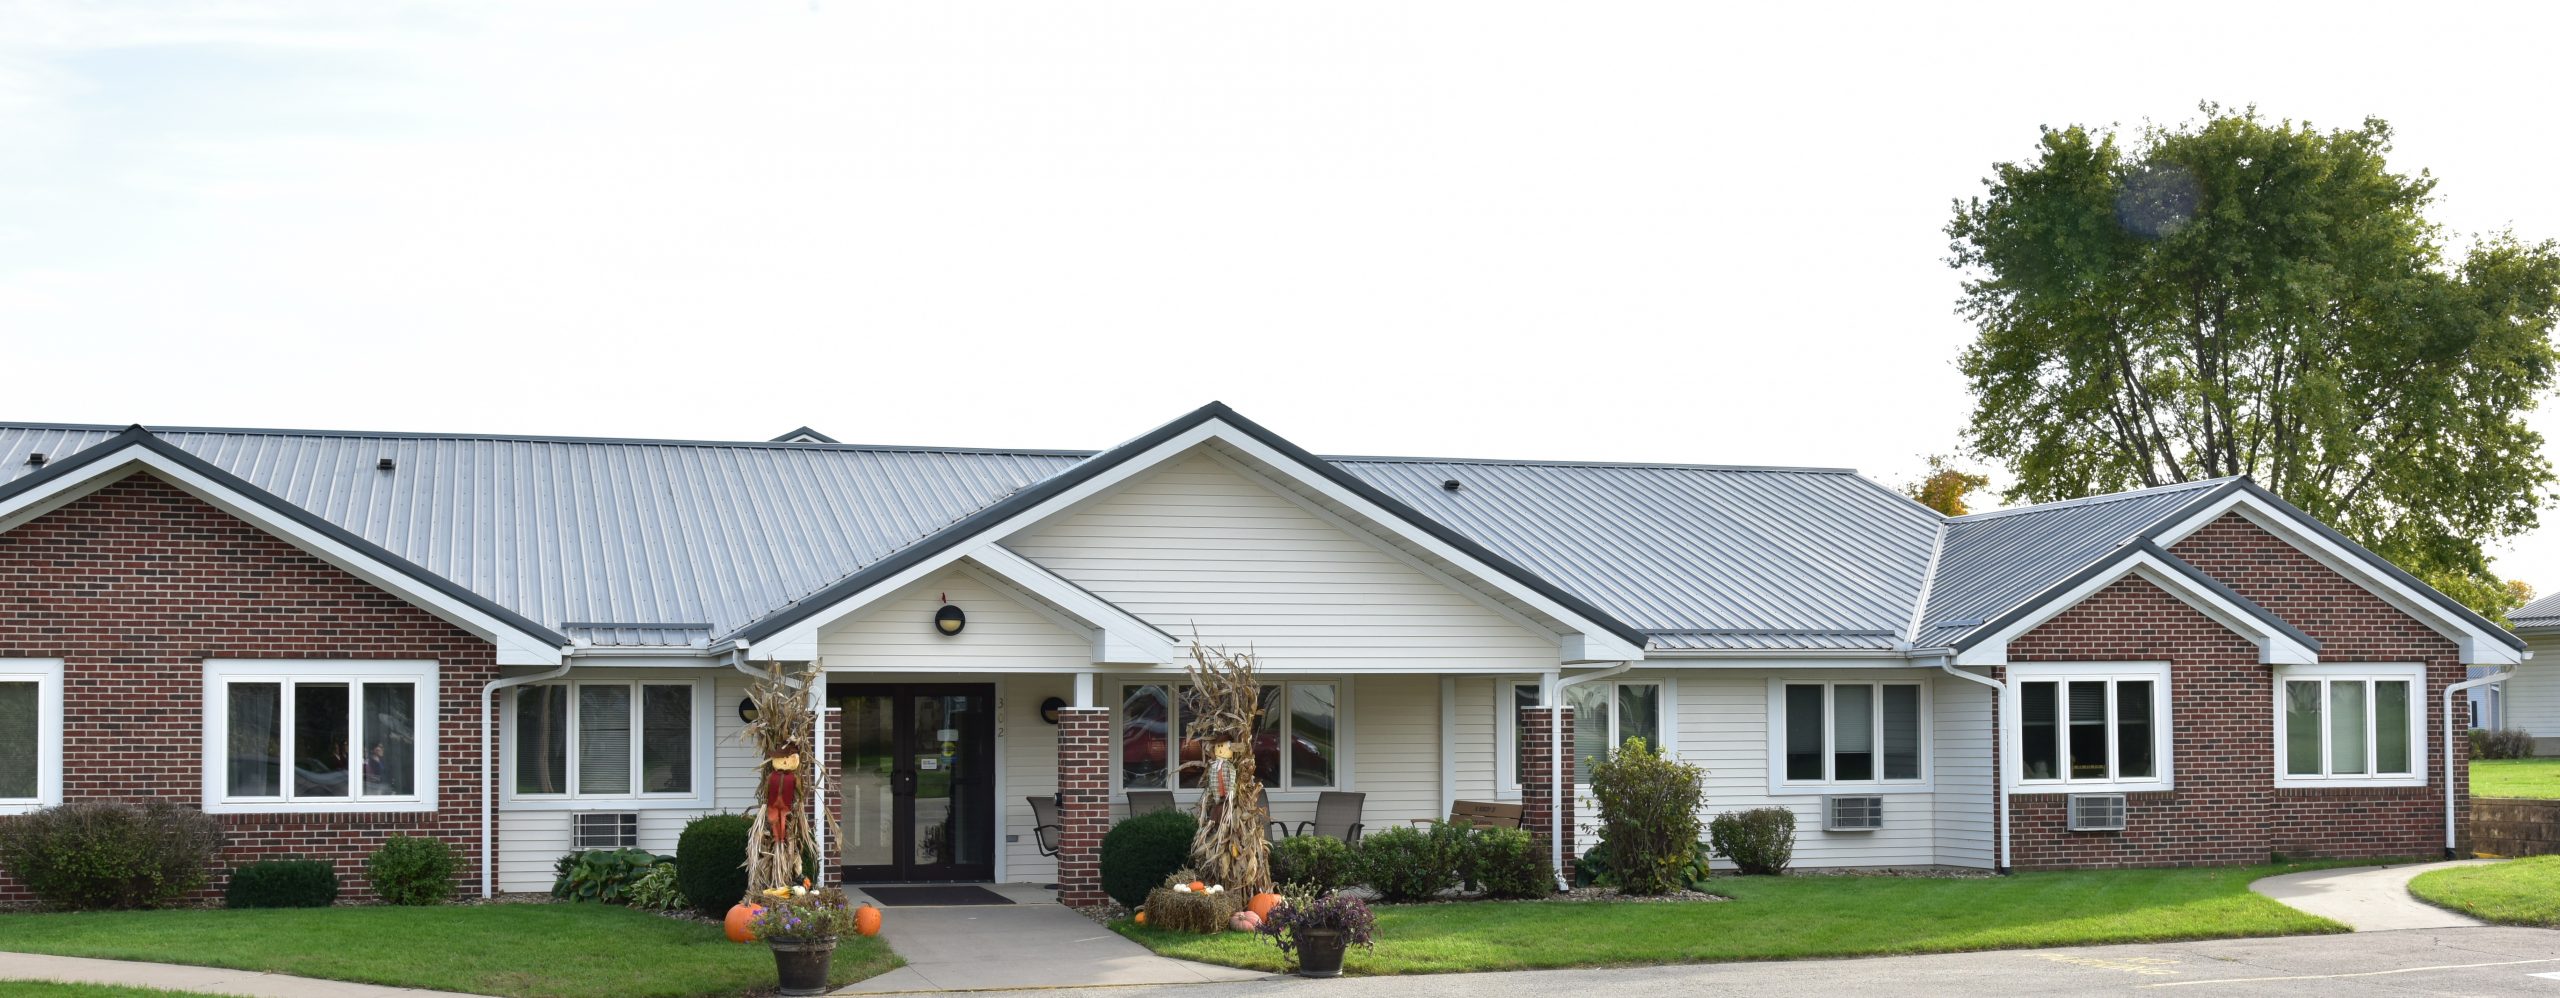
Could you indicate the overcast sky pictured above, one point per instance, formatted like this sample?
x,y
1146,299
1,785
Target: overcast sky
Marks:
x,y
1670,232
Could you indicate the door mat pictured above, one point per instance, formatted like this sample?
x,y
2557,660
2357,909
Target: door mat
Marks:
x,y
935,894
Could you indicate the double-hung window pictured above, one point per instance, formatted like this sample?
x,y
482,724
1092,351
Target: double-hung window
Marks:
x,y
608,739
1862,734
2102,726
1605,715
30,734
1296,745
283,736
2351,725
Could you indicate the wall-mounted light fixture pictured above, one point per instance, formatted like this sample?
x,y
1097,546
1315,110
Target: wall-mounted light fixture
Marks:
x,y
949,620
747,709
1049,709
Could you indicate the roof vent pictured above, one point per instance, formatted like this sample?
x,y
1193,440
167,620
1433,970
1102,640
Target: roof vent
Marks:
x,y
35,458
1453,485
382,465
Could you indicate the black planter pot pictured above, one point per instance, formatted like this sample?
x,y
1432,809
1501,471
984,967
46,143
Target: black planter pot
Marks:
x,y
803,964
1320,952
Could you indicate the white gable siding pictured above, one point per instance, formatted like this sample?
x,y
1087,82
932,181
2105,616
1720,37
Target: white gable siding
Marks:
x,y
1002,632
1198,545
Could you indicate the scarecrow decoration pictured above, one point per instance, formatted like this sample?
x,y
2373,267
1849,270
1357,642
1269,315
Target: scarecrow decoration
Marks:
x,y
782,846
1224,708
781,791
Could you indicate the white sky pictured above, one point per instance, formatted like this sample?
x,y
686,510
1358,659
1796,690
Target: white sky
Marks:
x,y
1672,232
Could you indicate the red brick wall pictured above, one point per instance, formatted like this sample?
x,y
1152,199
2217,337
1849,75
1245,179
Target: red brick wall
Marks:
x,y
1538,800
2225,808
135,586
1085,742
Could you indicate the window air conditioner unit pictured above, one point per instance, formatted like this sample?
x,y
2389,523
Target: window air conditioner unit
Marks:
x,y
1852,814
2097,812
605,831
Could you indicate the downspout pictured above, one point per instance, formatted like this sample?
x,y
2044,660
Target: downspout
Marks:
x,y
2449,743
1999,777
1556,755
489,767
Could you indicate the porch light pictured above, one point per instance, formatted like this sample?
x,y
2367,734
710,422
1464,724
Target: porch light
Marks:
x,y
747,709
1049,709
949,620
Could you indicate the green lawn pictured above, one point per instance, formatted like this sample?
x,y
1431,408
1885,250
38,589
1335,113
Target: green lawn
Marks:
x,y
1778,918
2516,892
517,950
2515,778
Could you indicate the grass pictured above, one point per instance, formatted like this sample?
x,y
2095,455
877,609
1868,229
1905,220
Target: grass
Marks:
x,y
1781,918
2515,778
516,950
2516,892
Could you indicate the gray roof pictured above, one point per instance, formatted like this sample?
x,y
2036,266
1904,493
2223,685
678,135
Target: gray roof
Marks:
x,y
2540,615
1994,562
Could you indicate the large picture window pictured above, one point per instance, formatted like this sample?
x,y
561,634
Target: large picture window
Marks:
x,y
298,736
1303,716
1865,734
2350,725
606,739
30,734
2100,725
1605,715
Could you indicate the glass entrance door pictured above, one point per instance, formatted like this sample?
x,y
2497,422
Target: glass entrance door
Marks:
x,y
919,781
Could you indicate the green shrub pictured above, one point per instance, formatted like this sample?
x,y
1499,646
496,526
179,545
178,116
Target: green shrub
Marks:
x,y
1510,863
1455,843
282,883
711,862
1649,815
657,890
601,874
413,869
1321,863
1592,868
110,854
1405,864
1758,841
2507,743
1139,853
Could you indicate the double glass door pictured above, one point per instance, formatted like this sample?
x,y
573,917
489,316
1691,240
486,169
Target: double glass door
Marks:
x,y
919,781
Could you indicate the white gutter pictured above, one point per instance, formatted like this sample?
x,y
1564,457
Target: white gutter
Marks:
x,y
1999,775
489,767
1558,752
2449,743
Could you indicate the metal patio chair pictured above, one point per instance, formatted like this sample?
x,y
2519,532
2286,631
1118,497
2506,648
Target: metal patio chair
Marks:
x,y
1149,801
1045,827
1337,816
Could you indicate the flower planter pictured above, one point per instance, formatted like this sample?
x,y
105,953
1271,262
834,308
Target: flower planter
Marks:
x,y
802,963
1320,952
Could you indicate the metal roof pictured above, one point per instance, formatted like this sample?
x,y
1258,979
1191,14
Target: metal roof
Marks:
x,y
2541,614
1993,562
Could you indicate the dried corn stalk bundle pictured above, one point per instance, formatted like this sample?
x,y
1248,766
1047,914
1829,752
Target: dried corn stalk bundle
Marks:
x,y
782,848
1221,710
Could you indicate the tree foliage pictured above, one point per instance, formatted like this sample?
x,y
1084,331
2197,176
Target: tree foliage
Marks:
x,y
2245,297
1945,487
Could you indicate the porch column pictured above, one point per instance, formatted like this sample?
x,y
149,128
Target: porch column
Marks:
x,y
1543,797
831,795
1084,802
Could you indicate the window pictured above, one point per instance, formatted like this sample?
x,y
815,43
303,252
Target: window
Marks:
x,y
606,739
317,736
30,734
1858,733
1605,715
2102,725
1303,716
2350,725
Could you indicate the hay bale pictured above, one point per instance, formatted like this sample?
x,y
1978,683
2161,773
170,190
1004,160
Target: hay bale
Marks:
x,y
1192,911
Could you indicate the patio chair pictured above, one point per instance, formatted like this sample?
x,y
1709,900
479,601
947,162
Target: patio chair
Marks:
x,y
1045,827
1149,801
1337,816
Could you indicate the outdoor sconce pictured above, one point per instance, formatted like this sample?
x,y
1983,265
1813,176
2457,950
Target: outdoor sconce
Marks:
x,y
949,620
1049,709
747,709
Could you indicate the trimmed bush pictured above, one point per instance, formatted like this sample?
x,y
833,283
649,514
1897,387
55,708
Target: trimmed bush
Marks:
x,y
1405,864
711,862
2507,743
1509,863
413,869
1592,868
282,883
1321,863
657,890
601,874
1758,841
110,854
1138,854
1649,815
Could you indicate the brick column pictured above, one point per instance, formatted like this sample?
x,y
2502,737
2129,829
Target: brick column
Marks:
x,y
831,795
1084,803
1539,799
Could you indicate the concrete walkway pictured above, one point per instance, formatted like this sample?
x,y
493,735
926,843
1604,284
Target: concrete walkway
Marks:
x,y
1021,946
2366,898
172,977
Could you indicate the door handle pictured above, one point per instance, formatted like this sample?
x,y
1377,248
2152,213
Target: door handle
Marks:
x,y
903,782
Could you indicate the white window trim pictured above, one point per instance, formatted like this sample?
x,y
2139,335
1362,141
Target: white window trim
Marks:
x,y
703,757
221,674
1507,739
1342,776
2163,724
47,675
2414,674
1780,785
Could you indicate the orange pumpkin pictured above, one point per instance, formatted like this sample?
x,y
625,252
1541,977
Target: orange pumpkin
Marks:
x,y
1142,918
866,920
1197,887
736,923
1262,904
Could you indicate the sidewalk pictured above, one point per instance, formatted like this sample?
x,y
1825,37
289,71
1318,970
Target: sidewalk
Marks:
x,y
1022,946
2366,898
173,977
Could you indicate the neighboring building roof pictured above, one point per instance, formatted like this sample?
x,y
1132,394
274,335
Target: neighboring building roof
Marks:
x,y
2541,616
1993,562
804,435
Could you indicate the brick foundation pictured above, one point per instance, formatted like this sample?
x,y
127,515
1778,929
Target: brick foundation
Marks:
x,y
1538,797
1084,802
135,586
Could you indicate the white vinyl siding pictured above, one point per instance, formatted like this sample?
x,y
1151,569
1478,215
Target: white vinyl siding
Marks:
x,y
2532,699
1723,726
1961,772
1004,633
